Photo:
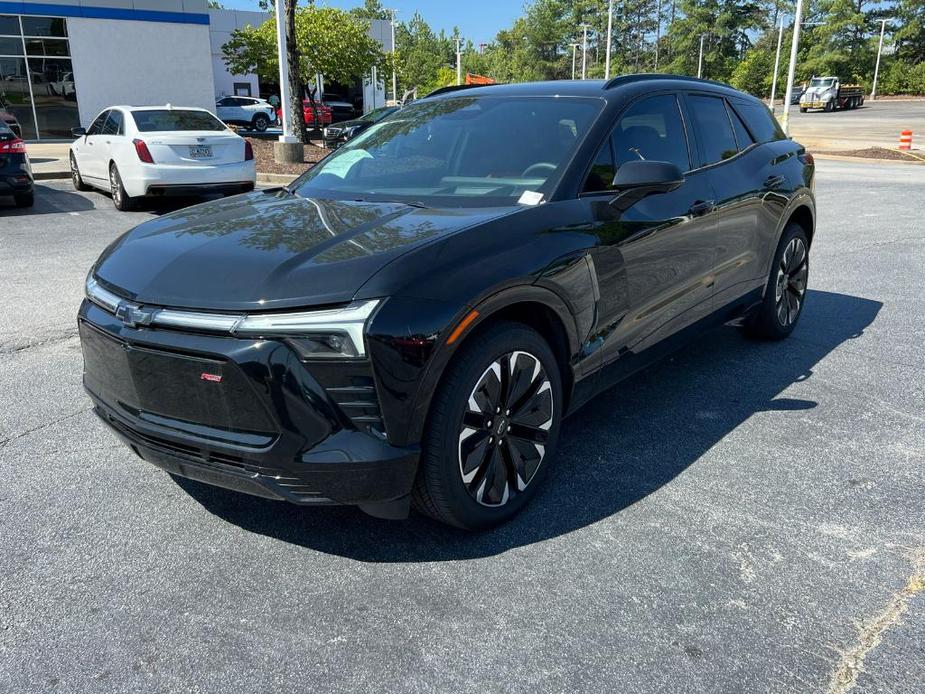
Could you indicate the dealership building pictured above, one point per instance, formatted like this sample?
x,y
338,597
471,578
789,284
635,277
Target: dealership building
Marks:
x,y
63,61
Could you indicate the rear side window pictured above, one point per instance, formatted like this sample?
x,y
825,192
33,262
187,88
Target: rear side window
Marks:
x,y
743,137
162,120
760,121
713,128
652,129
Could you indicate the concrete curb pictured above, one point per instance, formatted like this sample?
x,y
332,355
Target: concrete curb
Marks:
x,y
863,160
276,179
50,175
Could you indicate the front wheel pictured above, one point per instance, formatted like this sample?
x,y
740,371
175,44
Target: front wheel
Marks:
x,y
786,289
122,201
493,426
76,178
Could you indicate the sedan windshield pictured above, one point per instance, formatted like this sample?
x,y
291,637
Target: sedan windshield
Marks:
x,y
458,152
174,119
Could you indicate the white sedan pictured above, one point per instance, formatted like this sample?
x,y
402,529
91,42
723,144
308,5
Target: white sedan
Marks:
x,y
133,152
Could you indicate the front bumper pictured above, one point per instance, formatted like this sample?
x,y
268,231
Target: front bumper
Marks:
x,y
271,426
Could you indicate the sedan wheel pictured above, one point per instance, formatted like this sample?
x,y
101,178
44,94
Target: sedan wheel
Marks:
x,y
492,427
76,178
120,198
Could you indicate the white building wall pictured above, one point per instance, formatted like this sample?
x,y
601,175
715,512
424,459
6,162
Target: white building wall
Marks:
x,y
221,24
139,63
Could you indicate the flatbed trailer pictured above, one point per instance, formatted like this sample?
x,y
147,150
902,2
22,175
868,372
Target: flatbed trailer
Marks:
x,y
829,94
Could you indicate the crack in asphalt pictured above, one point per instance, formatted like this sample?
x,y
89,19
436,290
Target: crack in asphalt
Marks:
x,y
15,437
7,350
871,633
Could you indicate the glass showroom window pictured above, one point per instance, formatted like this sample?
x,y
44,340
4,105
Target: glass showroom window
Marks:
x,y
36,77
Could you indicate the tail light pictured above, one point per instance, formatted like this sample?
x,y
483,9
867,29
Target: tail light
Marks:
x,y
144,154
807,158
14,146
248,151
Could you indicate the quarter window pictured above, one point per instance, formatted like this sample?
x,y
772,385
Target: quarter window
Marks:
x,y
743,138
714,131
652,129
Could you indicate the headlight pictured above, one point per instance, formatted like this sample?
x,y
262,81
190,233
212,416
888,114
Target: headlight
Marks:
x,y
99,296
336,332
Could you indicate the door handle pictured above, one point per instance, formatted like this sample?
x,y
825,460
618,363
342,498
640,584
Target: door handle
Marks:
x,y
773,182
701,207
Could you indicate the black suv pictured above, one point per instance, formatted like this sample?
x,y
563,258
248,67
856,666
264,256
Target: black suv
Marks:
x,y
15,169
409,321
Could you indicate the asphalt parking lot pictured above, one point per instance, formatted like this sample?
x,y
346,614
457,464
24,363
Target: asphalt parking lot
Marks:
x,y
745,517
876,123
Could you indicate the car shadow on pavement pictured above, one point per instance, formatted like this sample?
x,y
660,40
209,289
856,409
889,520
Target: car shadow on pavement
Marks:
x,y
47,201
620,447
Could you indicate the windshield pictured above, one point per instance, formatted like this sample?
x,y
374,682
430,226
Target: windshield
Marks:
x,y
820,82
162,120
458,152
377,115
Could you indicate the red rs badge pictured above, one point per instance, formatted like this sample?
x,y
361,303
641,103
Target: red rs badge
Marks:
x,y
214,378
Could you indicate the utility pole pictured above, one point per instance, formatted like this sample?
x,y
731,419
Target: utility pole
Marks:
x,y
791,70
700,59
658,29
458,62
873,92
574,56
584,51
609,39
394,74
780,38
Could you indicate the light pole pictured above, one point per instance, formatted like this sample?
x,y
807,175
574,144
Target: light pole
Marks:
x,y
284,93
458,62
873,91
394,74
658,29
780,37
609,39
584,51
700,59
791,70
574,55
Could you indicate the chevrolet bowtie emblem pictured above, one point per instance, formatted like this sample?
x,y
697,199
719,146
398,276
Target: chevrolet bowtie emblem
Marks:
x,y
132,315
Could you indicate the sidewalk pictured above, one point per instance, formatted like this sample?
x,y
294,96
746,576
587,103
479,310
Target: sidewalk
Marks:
x,y
49,160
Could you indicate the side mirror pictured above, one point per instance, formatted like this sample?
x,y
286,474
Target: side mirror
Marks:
x,y
78,132
636,180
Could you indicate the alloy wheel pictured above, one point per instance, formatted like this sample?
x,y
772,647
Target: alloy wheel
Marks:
x,y
791,282
505,429
75,174
116,186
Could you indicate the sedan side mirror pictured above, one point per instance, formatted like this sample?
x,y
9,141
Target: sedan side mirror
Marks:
x,y
636,180
78,132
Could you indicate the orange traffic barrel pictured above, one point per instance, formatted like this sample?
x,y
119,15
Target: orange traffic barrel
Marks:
x,y
905,140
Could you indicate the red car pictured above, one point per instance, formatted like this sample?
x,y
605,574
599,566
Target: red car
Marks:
x,y
309,114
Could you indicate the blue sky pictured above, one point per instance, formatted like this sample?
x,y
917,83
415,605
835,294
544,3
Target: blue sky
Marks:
x,y
478,20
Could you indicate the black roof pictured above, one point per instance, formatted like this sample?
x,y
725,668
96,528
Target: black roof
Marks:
x,y
597,87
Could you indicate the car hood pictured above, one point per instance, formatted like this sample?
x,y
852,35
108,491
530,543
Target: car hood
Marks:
x,y
270,249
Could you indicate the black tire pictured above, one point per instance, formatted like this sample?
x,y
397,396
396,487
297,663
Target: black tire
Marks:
x,y
785,294
122,201
802,110
829,106
261,122
24,199
479,468
76,179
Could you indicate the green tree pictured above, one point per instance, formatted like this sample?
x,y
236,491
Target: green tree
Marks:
x,y
372,9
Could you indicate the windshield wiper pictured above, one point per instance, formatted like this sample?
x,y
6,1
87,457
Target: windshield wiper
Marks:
x,y
410,203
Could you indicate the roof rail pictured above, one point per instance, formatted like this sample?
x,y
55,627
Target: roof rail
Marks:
x,y
643,76
455,88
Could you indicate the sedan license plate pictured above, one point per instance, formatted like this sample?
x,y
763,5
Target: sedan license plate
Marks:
x,y
200,151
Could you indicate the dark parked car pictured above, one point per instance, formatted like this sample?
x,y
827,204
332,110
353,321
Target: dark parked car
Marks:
x,y
409,321
336,135
15,169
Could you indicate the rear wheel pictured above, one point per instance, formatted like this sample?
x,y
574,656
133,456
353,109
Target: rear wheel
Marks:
x,y
76,178
120,198
786,289
494,422
261,122
24,199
